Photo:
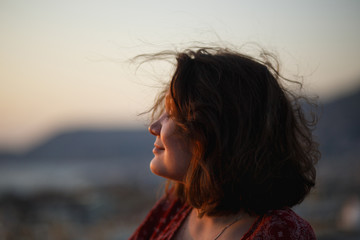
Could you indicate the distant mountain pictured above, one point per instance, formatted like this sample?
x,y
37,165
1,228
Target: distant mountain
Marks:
x,y
81,159
338,132
92,144
339,127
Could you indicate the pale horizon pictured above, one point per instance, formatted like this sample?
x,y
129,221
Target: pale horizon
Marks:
x,y
63,64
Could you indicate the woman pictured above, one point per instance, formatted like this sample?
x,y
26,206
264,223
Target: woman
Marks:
x,y
236,148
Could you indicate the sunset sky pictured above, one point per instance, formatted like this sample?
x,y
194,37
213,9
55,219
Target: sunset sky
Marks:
x,y
63,64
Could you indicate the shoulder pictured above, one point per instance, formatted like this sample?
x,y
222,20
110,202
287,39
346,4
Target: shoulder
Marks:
x,y
156,223
167,206
283,224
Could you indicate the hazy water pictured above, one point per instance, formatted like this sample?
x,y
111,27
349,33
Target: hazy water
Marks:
x,y
322,209
33,175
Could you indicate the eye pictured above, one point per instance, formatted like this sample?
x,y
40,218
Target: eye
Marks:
x,y
168,112
165,116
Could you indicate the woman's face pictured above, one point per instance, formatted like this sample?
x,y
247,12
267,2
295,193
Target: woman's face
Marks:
x,y
172,153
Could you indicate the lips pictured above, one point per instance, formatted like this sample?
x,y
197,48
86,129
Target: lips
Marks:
x,y
158,148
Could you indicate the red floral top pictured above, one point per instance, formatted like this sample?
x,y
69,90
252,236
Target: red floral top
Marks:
x,y
167,216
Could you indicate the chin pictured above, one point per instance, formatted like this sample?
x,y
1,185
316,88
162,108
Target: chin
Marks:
x,y
155,168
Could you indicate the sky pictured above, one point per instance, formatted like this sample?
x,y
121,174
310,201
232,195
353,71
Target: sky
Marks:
x,y
64,64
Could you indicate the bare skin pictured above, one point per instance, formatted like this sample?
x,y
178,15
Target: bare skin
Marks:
x,y
207,228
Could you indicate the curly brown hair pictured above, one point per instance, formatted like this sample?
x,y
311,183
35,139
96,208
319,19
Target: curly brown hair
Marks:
x,y
253,144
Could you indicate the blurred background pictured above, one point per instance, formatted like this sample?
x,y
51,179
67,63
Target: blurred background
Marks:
x,y
74,152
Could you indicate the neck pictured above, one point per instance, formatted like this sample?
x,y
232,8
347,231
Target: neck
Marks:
x,y
211,227
218,220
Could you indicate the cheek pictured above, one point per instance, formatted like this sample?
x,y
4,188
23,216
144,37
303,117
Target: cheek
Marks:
x,y
171,165
175,160
180,155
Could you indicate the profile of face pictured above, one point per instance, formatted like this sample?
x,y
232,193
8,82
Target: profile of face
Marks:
x,y
172,153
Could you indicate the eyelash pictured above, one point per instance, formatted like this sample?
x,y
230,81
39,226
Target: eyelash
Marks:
x,y
166,115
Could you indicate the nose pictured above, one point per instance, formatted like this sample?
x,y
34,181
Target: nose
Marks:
x,y
155,128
